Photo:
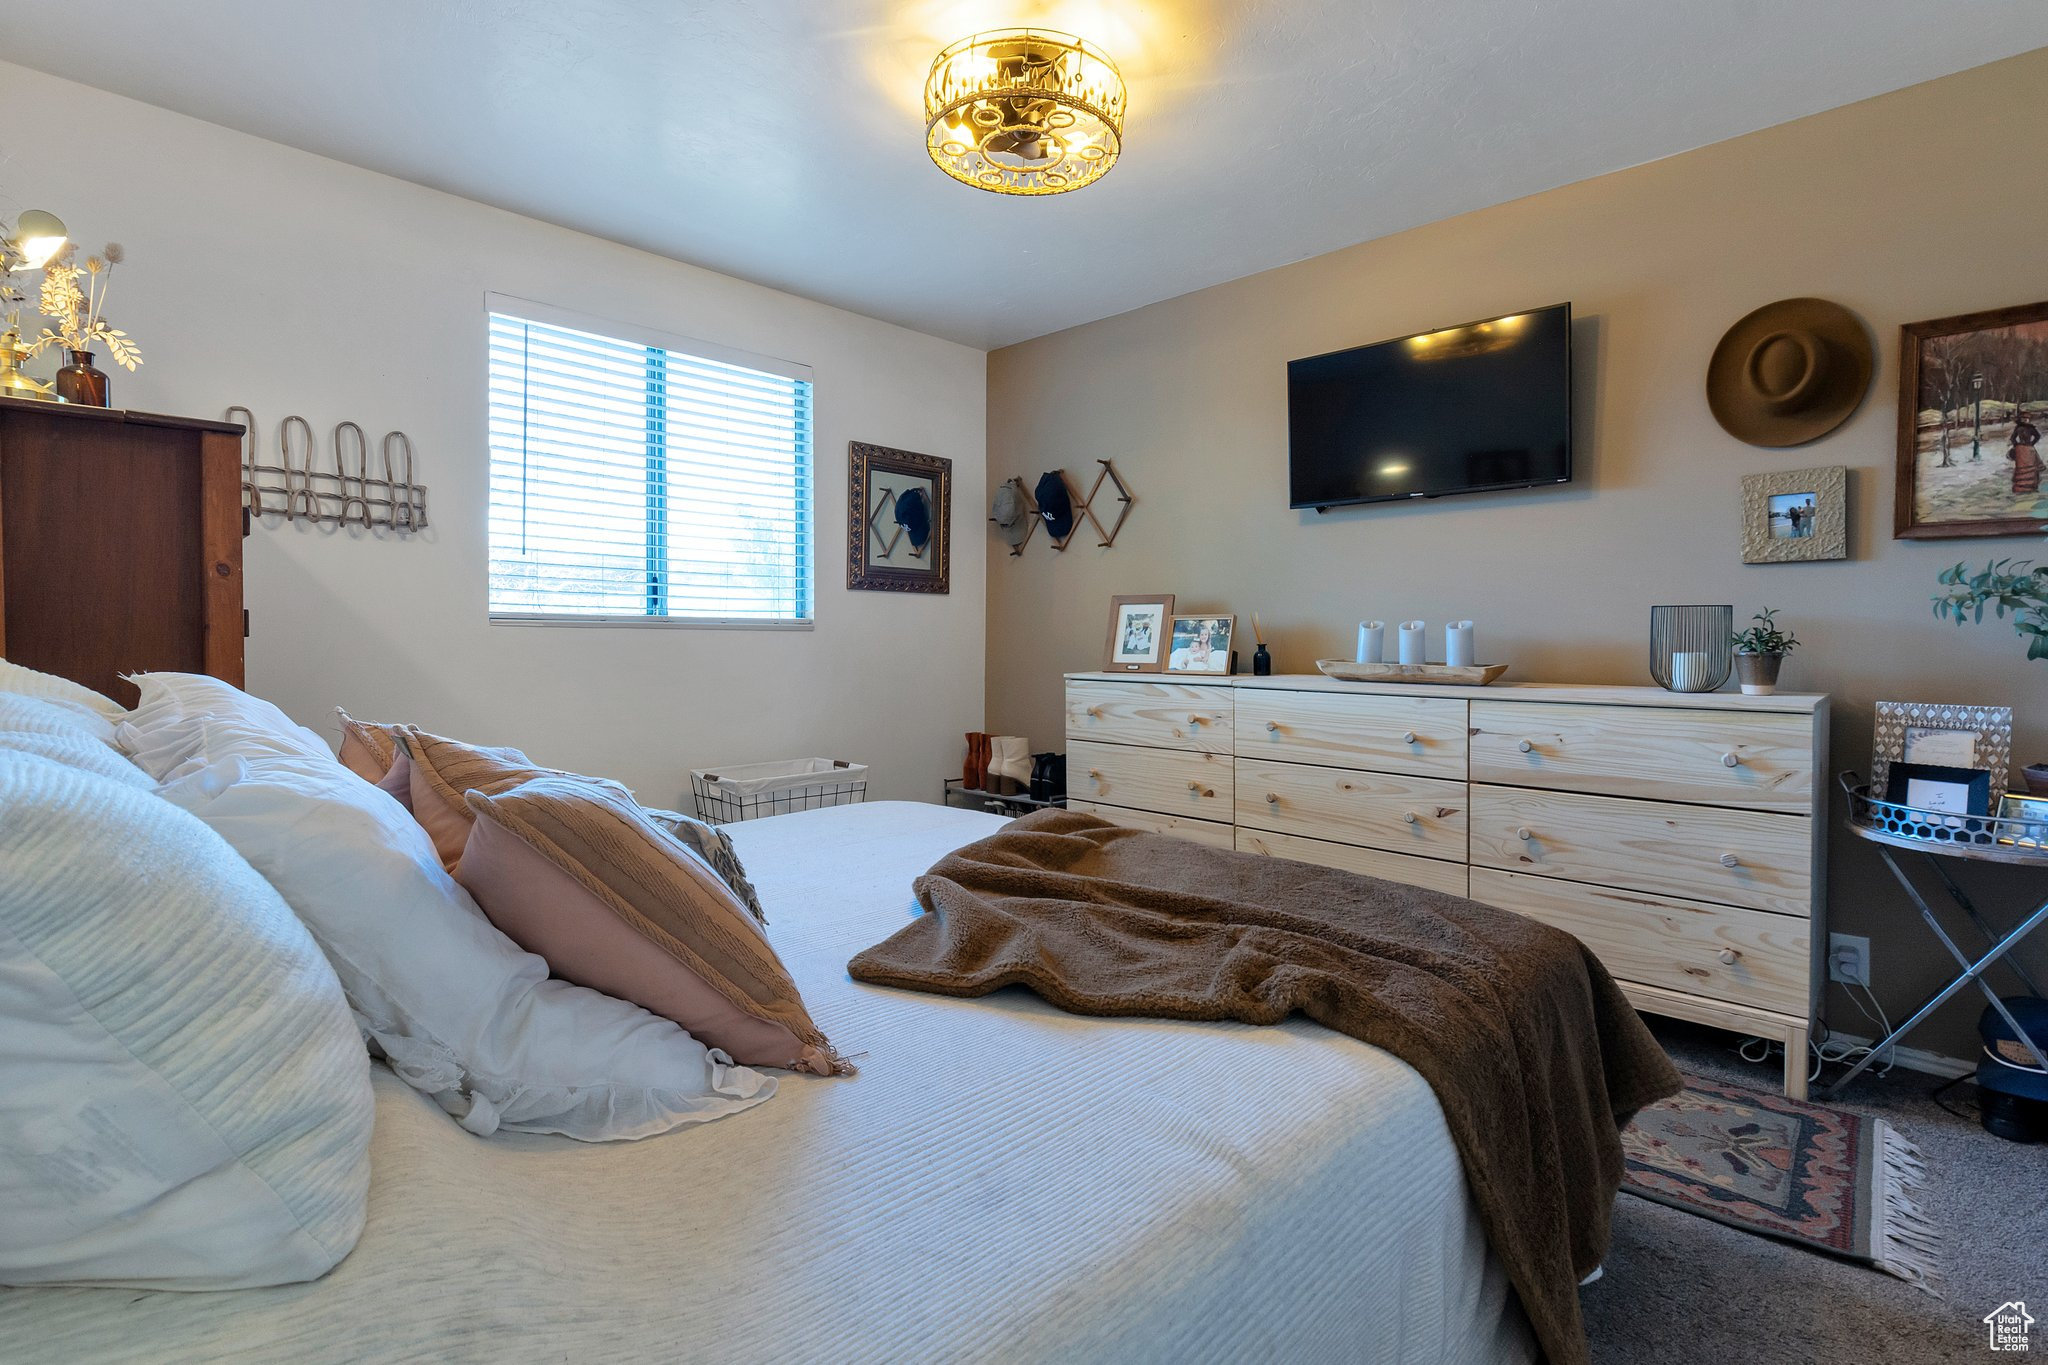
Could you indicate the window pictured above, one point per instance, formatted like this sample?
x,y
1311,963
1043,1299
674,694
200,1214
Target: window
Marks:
x,y
637,481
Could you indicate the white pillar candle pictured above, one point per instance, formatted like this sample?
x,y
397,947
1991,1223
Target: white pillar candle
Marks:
x,y
1370,637
1414,644
1458,644
1689,671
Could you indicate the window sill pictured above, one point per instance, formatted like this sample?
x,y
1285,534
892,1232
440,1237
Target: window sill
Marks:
x,y
658,622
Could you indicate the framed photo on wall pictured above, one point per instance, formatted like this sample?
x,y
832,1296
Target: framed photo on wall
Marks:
x,y
1138,630
1794,515
1200,644
1973,401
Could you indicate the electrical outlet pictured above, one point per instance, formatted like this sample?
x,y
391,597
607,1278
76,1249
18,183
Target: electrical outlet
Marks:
x,y
1849,959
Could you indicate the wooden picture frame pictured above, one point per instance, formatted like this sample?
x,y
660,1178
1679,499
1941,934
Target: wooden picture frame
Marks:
x,y
1200,643
1971,478
1795,516
880,554
1123,652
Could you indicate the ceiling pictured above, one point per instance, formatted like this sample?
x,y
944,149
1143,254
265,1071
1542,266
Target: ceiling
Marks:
x,y
781,141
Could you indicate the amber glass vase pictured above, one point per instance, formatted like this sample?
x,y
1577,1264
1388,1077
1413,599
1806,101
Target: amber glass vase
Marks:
x,y
81,382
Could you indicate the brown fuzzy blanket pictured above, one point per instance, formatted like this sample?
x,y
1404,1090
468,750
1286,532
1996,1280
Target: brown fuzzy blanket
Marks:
x,y
1534,1054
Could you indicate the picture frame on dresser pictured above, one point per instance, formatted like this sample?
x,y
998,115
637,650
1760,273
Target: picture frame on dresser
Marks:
x,y
1200,644
1140,631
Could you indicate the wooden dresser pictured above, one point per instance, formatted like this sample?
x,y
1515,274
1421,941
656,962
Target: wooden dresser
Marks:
x,y
1680,837
120,544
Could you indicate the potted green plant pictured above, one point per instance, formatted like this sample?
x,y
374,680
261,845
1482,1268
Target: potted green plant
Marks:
x,y
1760,652
2004,585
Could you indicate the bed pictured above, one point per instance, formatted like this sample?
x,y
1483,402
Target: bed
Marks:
x,y
1000,1182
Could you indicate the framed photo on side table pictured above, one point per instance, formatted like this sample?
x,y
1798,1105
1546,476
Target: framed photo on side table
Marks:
x,y
1973,402
1138,631
1929,786
1939,735
1200,644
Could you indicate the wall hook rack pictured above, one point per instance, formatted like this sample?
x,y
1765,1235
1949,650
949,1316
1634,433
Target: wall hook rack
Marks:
x,y
1084,509
297,488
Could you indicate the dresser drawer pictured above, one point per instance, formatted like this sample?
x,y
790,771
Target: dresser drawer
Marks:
x,y
1200,831
1424,736
1758,760
1153,715
1734,857
1743,957
1419,815
1427,873
1165,781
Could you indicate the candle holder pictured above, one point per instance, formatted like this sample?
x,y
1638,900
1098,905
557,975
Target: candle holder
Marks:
x,y
1704,635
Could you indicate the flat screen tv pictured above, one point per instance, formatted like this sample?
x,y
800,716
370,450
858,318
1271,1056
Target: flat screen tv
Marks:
x,y
1462,410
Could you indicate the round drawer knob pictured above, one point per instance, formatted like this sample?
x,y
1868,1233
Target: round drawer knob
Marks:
x,y
1095,711
1525,833
1194,720
1194,786
1408,738
1728,956
1730,860
1409,817
1095,773
1731,760
1526,747
1272,798
1273,726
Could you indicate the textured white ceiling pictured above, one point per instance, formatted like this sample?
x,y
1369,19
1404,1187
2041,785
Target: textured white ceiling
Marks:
x,y
781,140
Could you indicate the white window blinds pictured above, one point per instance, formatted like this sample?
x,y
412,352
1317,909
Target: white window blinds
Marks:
x,y
632,481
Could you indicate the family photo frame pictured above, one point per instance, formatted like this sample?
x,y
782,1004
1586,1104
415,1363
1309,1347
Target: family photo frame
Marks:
x,y
1200,644
1139,629
1795,515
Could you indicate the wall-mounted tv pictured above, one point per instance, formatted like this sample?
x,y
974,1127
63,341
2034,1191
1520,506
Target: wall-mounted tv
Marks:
x,y
1461,410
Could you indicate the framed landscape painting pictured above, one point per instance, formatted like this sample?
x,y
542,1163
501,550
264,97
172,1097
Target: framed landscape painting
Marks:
x,y
1973,399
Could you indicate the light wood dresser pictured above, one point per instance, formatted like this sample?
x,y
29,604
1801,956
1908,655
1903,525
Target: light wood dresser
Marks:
x,y
1681,837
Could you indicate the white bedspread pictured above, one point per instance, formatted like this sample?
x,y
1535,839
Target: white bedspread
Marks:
x,y
1000,1182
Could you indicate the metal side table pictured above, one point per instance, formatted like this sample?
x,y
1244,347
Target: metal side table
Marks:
x,y
1934,835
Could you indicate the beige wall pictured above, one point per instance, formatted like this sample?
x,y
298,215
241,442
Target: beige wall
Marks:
x,y
1189,398
290,283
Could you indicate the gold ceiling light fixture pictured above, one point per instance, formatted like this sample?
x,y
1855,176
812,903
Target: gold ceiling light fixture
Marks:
x,y
1024,111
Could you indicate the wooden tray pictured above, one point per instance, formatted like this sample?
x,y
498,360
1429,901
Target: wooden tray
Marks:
x,y
1465,675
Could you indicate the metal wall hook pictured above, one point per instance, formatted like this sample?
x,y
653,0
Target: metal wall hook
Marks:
x,y
345,495
298,478
355,503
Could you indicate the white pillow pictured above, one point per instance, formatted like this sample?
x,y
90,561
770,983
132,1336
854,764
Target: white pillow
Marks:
x,y
461,1012
27,682
168,726
183,1102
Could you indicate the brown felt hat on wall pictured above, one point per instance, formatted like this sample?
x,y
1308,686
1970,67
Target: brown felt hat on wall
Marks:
x,y
1789,373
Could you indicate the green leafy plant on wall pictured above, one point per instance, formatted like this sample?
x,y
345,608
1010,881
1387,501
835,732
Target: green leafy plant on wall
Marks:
x,y
2004,585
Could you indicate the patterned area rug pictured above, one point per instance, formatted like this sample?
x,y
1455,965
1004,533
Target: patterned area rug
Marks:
x,y
1807,1173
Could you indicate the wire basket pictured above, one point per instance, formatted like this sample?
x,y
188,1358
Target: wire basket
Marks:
x,y
1692,630
2001,838
753,790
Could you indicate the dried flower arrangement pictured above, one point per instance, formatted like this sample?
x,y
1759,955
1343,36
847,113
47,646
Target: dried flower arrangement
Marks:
x,y
79,309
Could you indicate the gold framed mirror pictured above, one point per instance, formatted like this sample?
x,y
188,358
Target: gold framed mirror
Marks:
x,y
900,519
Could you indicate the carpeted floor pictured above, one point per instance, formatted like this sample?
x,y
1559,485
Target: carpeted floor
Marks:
x,y
1681,1289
